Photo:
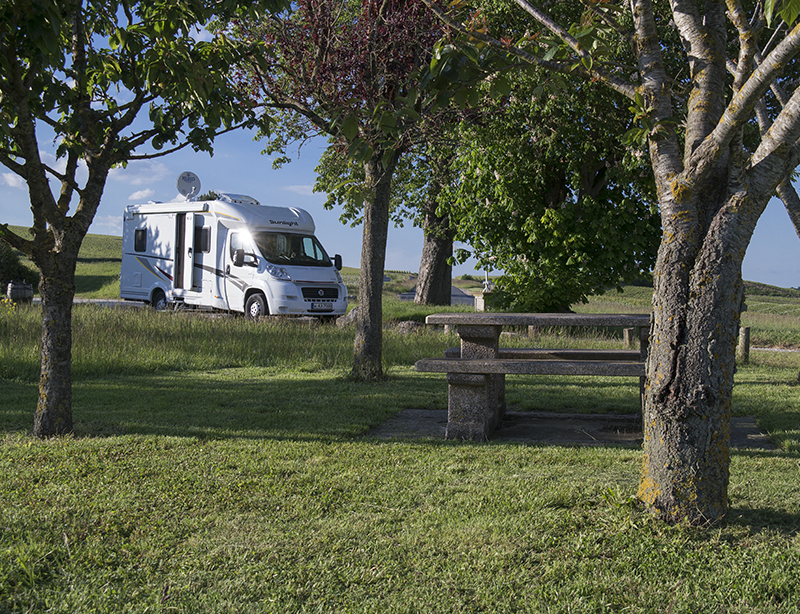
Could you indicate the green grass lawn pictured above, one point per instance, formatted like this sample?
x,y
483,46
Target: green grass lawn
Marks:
x,y
224,466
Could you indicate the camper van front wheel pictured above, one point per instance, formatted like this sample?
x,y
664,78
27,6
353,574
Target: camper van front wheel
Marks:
x,y
159,301
255,307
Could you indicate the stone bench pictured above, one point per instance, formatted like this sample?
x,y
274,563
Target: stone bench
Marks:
x,y
558,354
476,371
510,366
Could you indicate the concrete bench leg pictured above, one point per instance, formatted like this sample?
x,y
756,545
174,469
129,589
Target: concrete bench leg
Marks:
x,y
484,342
474,405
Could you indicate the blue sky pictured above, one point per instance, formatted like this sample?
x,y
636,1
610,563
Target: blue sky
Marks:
x,y
238,167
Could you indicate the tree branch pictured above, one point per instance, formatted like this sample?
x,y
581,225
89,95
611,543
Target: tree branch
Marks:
x,y
611,23
15,167
747,43
788,194
773,157
612,81
16,241
68,185
742,105
664,150
165,152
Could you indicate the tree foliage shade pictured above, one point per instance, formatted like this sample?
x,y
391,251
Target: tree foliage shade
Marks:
x,y
349,69
713,88
107,82
548,193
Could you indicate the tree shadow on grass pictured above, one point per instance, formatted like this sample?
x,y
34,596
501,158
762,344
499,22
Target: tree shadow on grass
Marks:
x,y
236,404
93,283
758,520
222,404
576,394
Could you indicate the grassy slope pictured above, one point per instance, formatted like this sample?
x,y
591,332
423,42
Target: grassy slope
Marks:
x,y
97,271
220,466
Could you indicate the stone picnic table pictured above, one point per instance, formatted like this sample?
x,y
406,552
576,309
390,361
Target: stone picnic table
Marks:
x,y
476,371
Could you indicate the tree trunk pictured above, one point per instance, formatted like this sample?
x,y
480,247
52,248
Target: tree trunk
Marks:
x,y
697,303
57,289
368,345
435,271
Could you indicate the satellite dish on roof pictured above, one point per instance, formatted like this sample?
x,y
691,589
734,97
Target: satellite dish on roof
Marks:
x,y
188,185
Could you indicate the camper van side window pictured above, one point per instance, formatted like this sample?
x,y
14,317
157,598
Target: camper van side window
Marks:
x,y
140,240
202,239
236,243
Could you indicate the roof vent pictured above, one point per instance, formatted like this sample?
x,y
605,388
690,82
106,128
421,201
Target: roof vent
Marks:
x,y
238,199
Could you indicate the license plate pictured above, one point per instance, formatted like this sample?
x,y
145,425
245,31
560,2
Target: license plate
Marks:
x,y
321,307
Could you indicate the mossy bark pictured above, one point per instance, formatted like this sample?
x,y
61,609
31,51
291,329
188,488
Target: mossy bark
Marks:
x,y
697,301
685,468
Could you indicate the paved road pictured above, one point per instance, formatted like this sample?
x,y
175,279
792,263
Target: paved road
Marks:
x,y
103,302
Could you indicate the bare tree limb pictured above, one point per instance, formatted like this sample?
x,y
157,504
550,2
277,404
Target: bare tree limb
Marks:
x,y
747,43
655,88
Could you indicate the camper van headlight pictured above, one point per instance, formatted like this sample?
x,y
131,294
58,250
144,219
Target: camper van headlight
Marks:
x,y
278,272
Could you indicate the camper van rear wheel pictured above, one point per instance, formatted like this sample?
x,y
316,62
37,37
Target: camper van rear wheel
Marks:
x,y
255,307
159,301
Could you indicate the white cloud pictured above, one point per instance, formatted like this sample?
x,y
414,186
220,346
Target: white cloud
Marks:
x,y
140,172
107,224
303,190
13,180
142,195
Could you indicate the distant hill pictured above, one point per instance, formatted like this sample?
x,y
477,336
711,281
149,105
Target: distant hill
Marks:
x,y
107,249
94,247
753,288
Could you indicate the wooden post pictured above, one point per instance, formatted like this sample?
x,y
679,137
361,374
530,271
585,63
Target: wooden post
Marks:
x,y
627,338
743,349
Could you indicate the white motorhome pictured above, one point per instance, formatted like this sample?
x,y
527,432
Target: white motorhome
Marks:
x,y
232,254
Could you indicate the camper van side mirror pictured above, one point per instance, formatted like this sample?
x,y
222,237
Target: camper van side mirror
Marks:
x,y
238,257
337,262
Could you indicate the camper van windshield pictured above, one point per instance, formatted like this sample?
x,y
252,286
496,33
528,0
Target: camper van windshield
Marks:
x,y
291,249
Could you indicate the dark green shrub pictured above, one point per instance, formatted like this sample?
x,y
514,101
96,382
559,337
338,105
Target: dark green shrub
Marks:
x,y
12,268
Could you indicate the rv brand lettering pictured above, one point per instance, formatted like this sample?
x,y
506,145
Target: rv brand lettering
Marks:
x,y
284,222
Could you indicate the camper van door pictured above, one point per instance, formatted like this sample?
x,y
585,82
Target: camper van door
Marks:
x,y
184,251
237,276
